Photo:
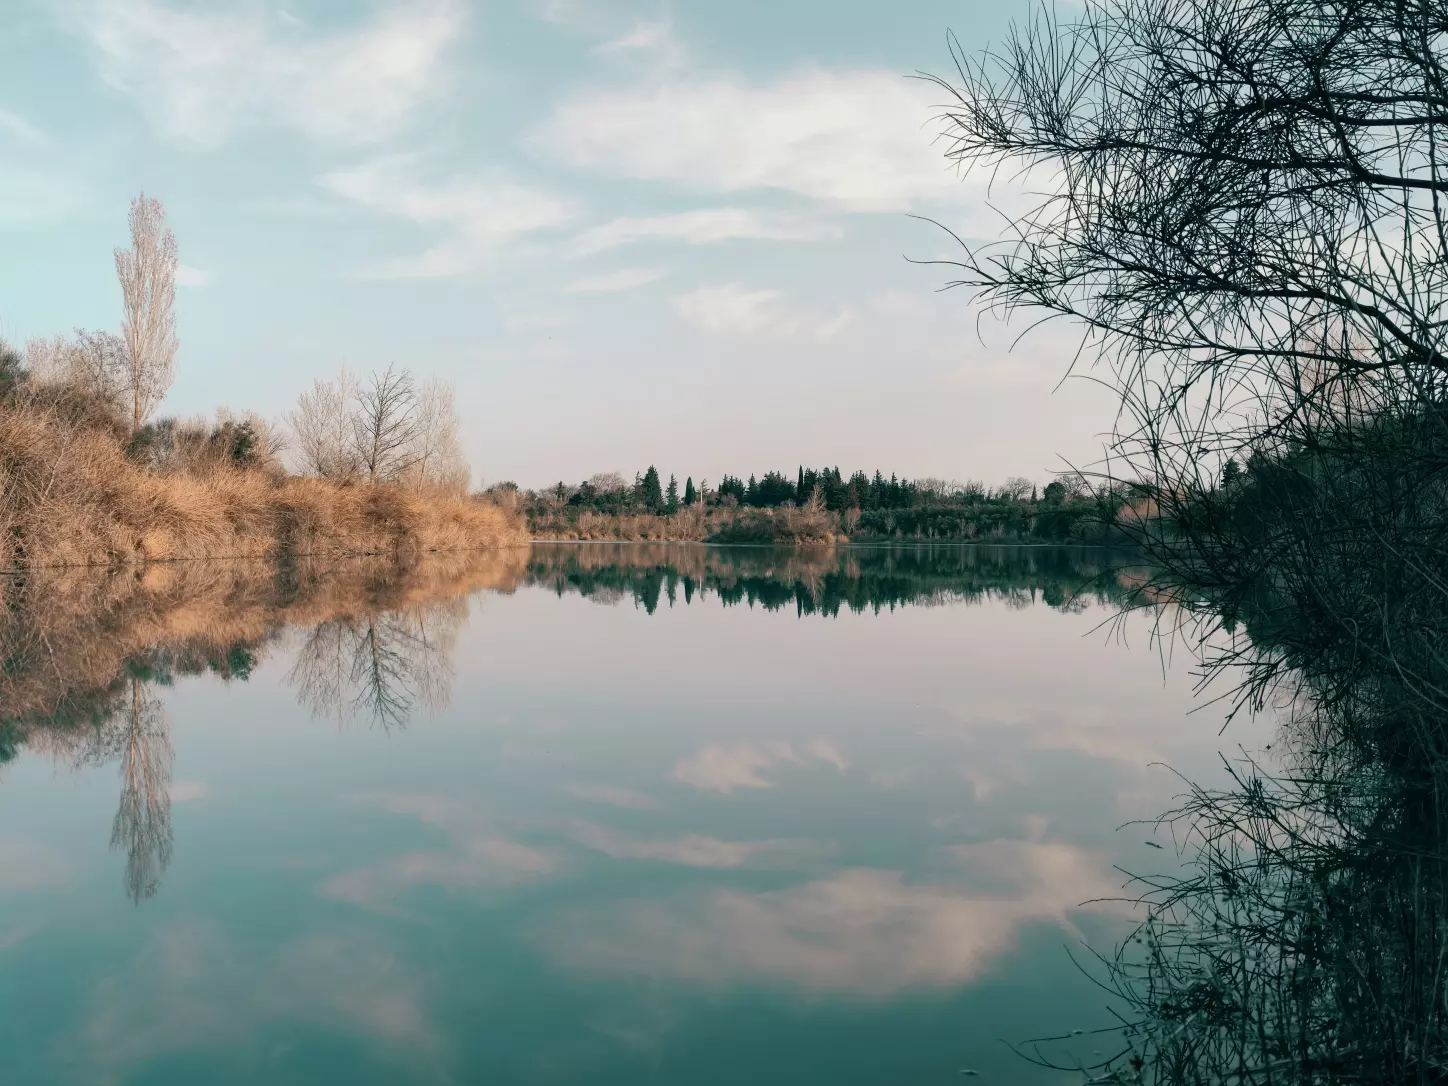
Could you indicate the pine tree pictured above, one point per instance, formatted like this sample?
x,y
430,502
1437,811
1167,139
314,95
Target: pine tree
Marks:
x,y
650,492
671,500
690,494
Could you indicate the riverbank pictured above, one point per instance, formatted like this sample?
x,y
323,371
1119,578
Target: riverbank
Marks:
x,y
783,526
1022,521
73,493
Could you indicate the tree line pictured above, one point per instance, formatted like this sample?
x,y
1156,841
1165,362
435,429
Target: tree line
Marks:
x,y
827,487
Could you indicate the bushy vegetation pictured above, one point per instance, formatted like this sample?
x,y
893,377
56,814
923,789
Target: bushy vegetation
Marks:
x,y
79,487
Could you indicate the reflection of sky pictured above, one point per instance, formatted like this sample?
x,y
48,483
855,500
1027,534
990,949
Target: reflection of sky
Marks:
x,y
630,846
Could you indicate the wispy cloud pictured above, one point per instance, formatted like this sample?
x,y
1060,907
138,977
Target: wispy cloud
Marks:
x,y
692,850
479,858
203,73
726,767
616,281
475,215
702,226
860,140
731,309
864,934
187,276
190,985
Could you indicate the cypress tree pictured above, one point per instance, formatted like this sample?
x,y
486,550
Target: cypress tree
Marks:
x,y
690,494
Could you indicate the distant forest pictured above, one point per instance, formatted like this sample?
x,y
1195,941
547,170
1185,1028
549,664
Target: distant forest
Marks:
x,y
611,493
857,506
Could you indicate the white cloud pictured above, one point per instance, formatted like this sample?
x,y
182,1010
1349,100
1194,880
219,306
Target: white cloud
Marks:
x,y
691,850
701,227
204,73
733,310
187,276
861,140
186,791
655,35
616,281
479,859
729,766
190,986
477,215
862,933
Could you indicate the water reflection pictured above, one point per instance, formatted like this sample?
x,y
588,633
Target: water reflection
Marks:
x,y
824,581
858,846
380,666
84,657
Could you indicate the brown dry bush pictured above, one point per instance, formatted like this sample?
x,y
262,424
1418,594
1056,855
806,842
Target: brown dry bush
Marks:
x,y
71,495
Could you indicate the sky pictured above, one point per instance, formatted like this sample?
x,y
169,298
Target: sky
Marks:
x,y
692,234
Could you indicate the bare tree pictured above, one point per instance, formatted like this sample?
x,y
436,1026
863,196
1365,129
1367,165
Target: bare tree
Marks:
x,y
96,363
322,430
1016,487
438,456
383,427
387,425
147,272
1244,209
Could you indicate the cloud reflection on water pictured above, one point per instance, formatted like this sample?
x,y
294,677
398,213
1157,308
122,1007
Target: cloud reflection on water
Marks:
x,y
858,933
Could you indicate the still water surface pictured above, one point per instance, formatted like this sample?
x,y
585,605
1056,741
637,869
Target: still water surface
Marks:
x,y
611,814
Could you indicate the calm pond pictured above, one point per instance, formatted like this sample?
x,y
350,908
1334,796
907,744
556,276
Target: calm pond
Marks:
x,y
595,813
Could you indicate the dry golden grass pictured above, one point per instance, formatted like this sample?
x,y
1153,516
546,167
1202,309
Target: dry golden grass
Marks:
x,y
69,496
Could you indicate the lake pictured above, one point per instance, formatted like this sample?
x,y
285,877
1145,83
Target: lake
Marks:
x,y
591,813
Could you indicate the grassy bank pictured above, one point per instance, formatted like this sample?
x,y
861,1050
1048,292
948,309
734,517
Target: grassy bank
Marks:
x,y
76,491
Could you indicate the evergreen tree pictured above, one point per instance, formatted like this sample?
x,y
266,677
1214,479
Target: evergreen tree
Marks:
x,y
800,497
690,497
650,492
671,503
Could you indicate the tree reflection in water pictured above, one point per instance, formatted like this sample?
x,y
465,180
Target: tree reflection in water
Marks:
x,y
82,663
142,826
137,733
379,666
